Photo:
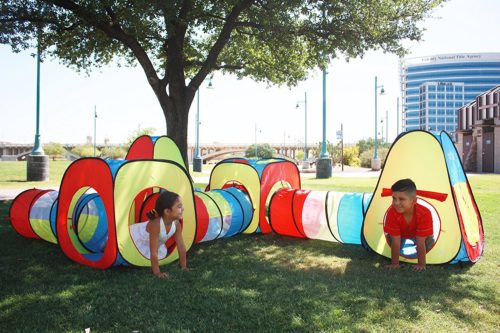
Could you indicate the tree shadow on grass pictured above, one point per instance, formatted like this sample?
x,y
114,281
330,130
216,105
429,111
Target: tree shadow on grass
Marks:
x,y
358,281
263,283
351,282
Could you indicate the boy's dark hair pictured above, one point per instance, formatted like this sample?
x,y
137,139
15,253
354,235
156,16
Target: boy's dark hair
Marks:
x,y
405,185
165,200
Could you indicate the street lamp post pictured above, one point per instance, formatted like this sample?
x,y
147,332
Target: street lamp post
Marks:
x,y
255,140
375,160
397,117
381,131
284,143
340,136
256,151
197,160
37,148
386,125
95,127
305,161
38,162
324,164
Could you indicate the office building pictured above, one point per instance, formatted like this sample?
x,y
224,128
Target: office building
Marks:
x,y
434,88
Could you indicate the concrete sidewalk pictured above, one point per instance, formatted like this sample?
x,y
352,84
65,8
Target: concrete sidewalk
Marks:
x,y
9,194
347,172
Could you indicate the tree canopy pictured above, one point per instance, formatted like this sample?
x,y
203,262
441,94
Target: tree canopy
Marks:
x,y
260,151
179,42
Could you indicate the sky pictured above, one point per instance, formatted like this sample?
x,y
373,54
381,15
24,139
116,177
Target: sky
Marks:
x,y
234,111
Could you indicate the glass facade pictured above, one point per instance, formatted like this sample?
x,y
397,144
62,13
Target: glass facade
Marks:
x,y
435,87
439,104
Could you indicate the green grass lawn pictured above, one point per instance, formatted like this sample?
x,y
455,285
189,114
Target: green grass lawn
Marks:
x,y
254,283
13,174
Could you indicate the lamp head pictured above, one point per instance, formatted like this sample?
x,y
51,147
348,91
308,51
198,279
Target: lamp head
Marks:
x,y
210,85
297,105
382,91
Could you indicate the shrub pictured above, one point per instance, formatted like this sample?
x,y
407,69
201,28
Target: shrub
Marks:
x,y
137,133
54,150
85,151
262,150
367,155
351,156
365,145
113,152
299,156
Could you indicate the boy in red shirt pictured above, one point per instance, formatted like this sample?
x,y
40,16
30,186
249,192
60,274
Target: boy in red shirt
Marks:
x,y
408,219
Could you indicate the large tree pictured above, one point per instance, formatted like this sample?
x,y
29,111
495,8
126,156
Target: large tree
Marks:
x,y
179,42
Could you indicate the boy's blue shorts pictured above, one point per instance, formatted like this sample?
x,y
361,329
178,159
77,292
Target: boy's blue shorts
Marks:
x,y
408,246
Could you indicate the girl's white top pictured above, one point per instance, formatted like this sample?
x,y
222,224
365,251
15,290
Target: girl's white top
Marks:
x,y
140,236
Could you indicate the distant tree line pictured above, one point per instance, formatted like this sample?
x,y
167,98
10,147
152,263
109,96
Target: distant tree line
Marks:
x,y
358,154
58,150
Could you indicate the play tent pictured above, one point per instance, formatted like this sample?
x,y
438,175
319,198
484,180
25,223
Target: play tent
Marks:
x,y
432,162
89,217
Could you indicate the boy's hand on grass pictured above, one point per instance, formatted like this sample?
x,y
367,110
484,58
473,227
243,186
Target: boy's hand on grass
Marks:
x,y
418,268
392,266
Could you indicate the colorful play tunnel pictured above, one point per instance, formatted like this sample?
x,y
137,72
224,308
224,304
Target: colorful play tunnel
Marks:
x,y
325,215
32,214
260,179
222,213
91,214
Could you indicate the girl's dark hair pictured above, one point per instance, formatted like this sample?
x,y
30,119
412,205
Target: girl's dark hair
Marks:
x,y
405,185
165,200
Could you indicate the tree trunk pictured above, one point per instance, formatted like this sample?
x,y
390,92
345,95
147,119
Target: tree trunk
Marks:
x,y
176,113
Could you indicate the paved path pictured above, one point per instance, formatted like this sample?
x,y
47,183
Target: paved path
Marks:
x,y
11,193
311,173
347,172
8,194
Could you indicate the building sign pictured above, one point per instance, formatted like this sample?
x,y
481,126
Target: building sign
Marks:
x,y
443,58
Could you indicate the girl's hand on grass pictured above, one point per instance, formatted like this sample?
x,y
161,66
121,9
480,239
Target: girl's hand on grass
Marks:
x,y
185,269
392,266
